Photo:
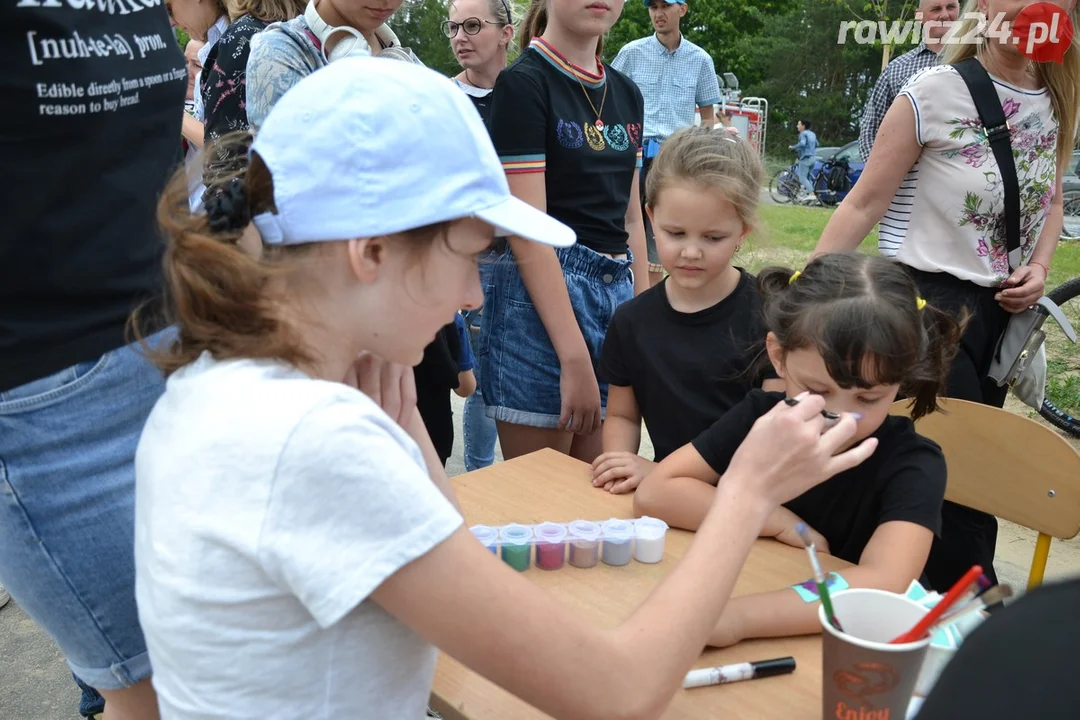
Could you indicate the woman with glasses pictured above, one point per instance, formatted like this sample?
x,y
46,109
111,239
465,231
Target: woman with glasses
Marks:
x,y
480,32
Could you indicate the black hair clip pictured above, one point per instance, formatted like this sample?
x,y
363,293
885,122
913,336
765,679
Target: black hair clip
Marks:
x,y
227,207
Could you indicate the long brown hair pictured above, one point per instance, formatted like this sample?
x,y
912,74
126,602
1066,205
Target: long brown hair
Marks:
x,y
1062,80
535,22
217,293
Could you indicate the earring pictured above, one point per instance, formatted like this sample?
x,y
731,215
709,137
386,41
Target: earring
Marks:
x,y
738,248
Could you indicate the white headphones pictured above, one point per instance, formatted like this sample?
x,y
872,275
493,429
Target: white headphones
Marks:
x,y
354,44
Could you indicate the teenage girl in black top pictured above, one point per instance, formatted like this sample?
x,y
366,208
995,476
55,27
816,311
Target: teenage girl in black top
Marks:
x,y
568,130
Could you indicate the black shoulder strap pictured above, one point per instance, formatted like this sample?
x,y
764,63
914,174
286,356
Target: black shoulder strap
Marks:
x,y
996,126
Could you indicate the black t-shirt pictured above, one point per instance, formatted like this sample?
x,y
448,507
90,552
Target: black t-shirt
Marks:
x,y
92,101
1019,664
903,480
541,120
686,369
436,376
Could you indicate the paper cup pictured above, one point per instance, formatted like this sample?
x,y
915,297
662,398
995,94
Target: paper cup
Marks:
x,y
863,676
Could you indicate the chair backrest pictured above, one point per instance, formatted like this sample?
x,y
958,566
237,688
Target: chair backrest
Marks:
x,y
1006,465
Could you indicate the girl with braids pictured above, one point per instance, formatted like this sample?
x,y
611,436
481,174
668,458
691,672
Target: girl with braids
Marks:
x,y
568,130
934,186
282,510
852,330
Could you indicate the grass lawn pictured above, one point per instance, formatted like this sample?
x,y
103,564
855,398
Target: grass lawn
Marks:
x,y
788,235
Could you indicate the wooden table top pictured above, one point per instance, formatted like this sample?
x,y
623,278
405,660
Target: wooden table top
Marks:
x,y
547,485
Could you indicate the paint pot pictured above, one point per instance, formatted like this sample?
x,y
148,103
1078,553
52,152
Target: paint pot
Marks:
x,y
488,537
550,546
649,540
618,538
584,544
516,547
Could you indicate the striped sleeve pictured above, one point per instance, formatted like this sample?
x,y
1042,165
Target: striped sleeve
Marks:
x,y
518,120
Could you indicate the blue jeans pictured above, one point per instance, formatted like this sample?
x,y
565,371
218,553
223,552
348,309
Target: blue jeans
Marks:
x,y
477,428
520,370
805,165
67,509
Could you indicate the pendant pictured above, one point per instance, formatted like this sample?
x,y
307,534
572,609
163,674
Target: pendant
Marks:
x,y
599,124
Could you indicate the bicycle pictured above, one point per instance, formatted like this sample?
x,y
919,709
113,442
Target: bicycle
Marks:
x,y
785,186
1061,406
1070,230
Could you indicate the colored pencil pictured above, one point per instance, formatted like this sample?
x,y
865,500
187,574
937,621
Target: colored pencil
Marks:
x,y
962,586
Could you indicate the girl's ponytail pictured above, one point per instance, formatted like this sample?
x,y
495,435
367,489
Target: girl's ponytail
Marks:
x,y
215,290
773,280
927,378
533,24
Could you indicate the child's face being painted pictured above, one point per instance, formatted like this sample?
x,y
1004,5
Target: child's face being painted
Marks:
x,y
405,295
804,370
697,231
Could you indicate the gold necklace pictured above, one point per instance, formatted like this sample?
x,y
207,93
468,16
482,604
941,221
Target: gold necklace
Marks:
x,y
603,97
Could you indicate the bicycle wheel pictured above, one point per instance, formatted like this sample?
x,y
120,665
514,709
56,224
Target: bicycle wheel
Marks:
x,y
1061,407
1071,229
784,187
822,192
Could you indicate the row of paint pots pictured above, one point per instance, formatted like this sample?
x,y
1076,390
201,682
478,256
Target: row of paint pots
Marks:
x,y
581,543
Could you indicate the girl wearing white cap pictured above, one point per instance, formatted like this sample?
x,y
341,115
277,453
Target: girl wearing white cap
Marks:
x,y
299,552
567,128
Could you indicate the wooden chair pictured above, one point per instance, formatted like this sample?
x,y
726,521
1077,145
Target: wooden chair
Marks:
x,y
1008,466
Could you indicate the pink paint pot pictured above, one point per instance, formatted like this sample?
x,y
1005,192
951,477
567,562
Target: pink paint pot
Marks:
x,y
550,546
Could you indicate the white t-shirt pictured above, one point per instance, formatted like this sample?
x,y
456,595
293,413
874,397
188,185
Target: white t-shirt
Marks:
x,y
269,506
948,214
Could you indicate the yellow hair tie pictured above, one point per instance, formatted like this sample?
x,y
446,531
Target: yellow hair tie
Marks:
x,y
920,304
794,276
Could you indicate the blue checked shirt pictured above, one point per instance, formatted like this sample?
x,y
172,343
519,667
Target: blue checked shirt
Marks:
x,y
674,84
888,86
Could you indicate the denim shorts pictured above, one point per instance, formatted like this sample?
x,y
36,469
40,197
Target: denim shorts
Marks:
x,y
519,372
67,503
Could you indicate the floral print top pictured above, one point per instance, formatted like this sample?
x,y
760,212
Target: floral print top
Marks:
x,y
224,79
948,214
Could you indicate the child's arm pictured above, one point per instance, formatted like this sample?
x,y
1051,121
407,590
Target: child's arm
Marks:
x,y
622,427
678,490
619,469
895,555
466,383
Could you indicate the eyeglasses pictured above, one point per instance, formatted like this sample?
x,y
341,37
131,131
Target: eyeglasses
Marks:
x,y
471,26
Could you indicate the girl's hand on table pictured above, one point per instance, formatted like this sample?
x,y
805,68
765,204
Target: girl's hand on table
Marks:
x,y
620,471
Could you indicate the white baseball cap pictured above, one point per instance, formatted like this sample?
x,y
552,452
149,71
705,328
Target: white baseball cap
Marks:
x,y
370,146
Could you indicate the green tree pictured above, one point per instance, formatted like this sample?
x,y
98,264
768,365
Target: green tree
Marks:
x,y
715,25
797,63
418,24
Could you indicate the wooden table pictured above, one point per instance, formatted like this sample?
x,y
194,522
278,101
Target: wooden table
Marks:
x,y
550,486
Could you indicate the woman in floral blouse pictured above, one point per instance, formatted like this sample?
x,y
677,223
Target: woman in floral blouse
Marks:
x,y
933,185
223,86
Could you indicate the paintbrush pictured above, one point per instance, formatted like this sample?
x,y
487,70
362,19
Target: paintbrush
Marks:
x,y
819,577
993,596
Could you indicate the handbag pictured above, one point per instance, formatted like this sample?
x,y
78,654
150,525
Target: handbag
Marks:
x,y
1019,359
